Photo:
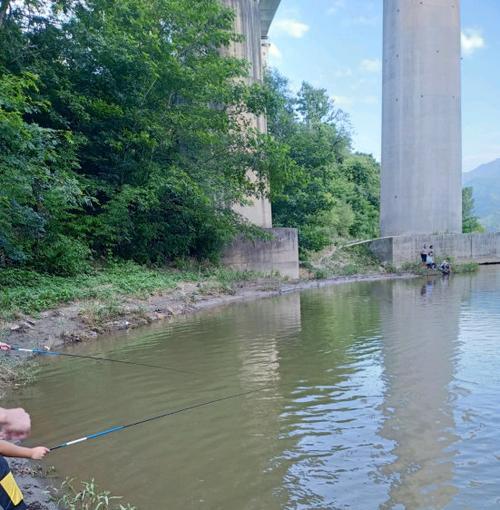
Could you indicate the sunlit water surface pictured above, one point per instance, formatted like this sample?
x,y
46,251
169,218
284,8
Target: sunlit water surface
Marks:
x,y
378,395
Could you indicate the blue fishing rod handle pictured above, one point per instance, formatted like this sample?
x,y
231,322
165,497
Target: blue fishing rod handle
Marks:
x,y
106,432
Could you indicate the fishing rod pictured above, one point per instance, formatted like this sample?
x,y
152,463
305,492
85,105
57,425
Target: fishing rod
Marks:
x,y
119,428
46,352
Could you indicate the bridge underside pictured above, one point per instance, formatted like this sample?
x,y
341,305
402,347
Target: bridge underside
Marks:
x,y
268,9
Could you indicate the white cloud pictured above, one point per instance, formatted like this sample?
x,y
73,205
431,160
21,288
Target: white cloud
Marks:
x,y
335,6
274,52
291,27
371,65
472,40
342,101
363,20
343,73
370,100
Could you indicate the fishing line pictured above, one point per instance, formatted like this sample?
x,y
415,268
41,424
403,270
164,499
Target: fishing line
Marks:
x,y
43,352
119,428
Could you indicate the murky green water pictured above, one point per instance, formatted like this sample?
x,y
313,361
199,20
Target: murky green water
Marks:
x,y
382,395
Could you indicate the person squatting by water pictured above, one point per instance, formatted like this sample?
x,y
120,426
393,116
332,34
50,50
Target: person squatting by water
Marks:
x,y
15,424
445,267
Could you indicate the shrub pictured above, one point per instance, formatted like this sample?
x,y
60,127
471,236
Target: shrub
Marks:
x,y
63,256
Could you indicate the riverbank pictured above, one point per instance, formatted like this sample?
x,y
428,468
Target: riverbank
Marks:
x,y
87,319
127,297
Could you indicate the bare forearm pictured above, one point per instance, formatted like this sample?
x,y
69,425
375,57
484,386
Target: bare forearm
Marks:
x,y
11,450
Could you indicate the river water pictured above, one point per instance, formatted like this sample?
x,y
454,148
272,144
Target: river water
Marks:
x,y
378,395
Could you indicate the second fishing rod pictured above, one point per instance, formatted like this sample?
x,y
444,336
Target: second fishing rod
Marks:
x,y
47,352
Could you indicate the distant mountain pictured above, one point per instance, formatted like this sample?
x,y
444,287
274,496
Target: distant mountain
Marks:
x,y
485,180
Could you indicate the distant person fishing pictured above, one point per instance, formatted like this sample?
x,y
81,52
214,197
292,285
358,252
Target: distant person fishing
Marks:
x,y
423,254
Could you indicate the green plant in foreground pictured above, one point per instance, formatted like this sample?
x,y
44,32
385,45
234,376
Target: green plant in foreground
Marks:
x,y
89,498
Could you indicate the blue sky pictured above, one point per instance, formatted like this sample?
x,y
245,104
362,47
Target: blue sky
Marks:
x,y
337,45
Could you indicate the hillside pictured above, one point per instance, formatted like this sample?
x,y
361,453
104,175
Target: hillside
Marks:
x,y
485,180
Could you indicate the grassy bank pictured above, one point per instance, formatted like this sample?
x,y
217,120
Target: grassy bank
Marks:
x,y
342,260
418,269
24,292
351,260
28,292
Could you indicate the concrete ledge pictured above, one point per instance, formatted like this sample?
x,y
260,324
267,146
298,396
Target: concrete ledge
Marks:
x,y
280,254
480,248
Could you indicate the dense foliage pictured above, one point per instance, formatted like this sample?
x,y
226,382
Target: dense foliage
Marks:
x,y
123,134
470,222
120,131
328,191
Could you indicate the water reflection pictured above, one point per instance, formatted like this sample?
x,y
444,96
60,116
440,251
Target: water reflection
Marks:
x,y
420,329
329,423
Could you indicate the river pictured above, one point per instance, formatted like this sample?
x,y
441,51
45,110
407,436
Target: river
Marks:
x,y
376,395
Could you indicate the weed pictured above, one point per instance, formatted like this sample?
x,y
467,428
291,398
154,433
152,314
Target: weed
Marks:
x,y
89,498
96,313
470,267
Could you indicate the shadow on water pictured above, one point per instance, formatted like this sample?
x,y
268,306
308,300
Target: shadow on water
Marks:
x,y
375,398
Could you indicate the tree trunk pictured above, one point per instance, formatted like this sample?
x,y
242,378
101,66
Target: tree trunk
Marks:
x,y
4,5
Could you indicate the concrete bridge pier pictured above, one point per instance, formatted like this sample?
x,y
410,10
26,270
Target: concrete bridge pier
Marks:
x,y
421,125
280,252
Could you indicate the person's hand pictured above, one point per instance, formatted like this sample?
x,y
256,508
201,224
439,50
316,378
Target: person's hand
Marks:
x,y
39,452
14,424
4,347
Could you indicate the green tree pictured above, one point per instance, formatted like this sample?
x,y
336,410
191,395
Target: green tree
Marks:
x,y
328,191
470,222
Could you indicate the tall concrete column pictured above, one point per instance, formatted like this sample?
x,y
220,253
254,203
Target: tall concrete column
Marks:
x,y
248,24
421,126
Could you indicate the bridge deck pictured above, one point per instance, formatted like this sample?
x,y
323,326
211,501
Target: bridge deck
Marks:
x,y
268,9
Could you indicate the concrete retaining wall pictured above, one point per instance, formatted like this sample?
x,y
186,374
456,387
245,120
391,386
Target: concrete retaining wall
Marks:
x,y
280,254
481,248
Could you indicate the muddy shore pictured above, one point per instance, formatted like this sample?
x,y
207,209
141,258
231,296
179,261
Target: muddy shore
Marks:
x,y
74,323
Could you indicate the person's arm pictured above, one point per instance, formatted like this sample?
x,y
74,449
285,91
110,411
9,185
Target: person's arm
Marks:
x,y
14,423
11,450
